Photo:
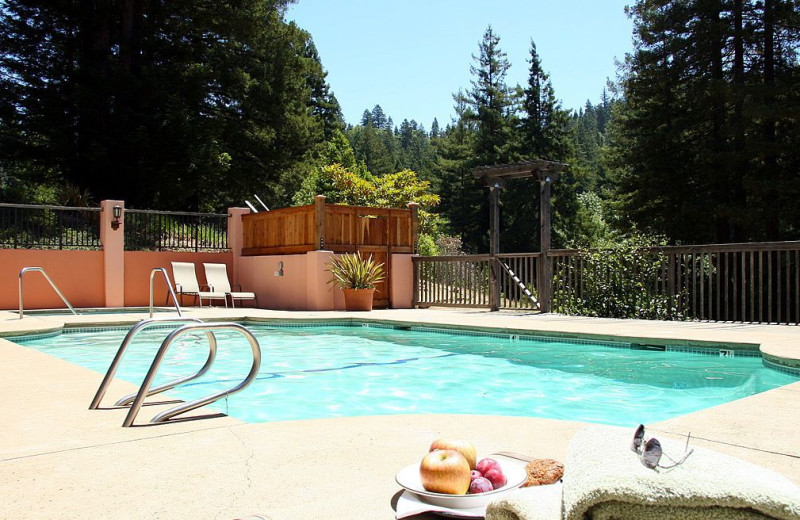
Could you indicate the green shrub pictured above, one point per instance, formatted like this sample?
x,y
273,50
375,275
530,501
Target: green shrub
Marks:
x,y
623,281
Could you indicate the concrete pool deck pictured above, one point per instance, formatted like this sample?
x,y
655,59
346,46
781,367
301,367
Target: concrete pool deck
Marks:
x,y
57,458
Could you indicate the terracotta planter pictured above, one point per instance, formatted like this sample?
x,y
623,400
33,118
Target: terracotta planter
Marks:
x,y
358,299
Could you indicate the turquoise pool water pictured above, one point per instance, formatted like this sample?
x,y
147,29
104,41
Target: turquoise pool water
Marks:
x,y
334,371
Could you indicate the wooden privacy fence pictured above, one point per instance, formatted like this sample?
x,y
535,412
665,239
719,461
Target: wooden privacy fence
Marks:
x,y
379,232
752,283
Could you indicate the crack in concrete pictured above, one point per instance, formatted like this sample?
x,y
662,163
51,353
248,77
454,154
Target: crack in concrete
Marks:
x,y
717,441
104,444
248,463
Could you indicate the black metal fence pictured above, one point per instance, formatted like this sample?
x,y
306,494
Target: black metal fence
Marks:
x,y
25,226
147,230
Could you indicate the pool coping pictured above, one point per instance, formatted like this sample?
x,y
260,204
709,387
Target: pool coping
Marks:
x,y
58,456
777,353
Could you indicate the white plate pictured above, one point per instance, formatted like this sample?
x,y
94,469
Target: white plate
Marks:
x,y
408,478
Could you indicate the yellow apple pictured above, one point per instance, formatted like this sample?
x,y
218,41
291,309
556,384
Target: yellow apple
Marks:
x,y
463,447
445,471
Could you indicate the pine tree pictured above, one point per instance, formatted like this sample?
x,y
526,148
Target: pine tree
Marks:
x,y
543,133
490,100
191,105
703,144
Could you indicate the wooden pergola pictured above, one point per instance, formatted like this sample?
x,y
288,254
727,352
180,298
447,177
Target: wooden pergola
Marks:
x,y
495,178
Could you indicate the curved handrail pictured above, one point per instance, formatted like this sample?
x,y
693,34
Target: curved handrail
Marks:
x,y
169,287
212,354
53,285
112,369
197,403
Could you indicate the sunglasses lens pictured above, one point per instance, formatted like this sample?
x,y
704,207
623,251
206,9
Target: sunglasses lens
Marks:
x,y
651,454
638,437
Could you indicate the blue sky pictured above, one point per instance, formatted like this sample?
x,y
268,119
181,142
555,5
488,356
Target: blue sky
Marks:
x,y
410,56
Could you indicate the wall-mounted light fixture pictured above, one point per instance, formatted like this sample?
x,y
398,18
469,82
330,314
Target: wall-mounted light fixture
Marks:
x,y
279,272
117,215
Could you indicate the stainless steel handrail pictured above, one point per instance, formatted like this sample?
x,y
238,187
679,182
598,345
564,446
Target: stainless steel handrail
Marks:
x,y
212,354
197,403
112,369
169,287
53,285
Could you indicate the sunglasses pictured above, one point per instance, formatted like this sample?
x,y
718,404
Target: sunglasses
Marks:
x,y
650,452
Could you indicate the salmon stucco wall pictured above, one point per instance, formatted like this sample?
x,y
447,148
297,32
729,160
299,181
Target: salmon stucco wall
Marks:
x,y
77,274
290,282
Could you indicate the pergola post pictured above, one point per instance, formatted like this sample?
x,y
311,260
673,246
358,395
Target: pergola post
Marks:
x,y
494,243
546,172
545,276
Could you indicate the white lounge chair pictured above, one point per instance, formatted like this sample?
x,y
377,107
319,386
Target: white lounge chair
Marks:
x,y
186,283
217,278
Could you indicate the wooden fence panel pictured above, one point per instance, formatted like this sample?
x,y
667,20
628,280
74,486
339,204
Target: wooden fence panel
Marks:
x,y
283,231
751,283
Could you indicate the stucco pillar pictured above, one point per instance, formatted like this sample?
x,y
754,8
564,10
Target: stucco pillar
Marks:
x,y
401,291
320,295
236,240
112,237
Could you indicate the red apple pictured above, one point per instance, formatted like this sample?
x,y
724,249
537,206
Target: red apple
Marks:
x,y
485,465
445,471
480,485
496,477
464,447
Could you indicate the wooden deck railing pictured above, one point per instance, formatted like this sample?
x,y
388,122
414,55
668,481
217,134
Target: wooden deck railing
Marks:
x,y
463,281
331,227
751,283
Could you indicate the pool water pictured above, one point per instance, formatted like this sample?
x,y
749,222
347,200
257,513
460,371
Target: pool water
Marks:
x,y
333,371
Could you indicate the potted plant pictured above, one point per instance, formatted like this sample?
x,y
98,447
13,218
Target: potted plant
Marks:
x,y
357,278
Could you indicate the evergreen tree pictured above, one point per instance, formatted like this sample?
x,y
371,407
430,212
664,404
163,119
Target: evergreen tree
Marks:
x,y
325,106
490,100
378,118
184,105
485,110
454,182
543,133
703,145
434,129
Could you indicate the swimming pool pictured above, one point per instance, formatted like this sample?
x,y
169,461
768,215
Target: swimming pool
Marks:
x,y
333,371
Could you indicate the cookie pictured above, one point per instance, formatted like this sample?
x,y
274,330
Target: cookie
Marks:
x,y
543,471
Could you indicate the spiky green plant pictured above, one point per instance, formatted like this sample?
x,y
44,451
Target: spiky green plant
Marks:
x,y
350,271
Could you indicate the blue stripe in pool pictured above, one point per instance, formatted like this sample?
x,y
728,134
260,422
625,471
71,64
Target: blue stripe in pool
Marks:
x,y
319,371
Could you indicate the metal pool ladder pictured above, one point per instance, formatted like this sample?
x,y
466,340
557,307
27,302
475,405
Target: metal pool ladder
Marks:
x,y
169,288
136,400
53,285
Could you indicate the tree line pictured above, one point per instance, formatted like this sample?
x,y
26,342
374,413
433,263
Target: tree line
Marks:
x,y
198,105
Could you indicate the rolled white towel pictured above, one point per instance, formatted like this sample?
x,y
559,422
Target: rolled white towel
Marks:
x,y
531,503
604,480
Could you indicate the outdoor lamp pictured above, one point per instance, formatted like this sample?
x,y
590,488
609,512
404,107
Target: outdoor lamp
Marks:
x,y
117,215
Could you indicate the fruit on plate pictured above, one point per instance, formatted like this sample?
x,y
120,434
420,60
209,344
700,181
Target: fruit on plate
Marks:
x,y
480,485
485,465
464,447
475,474
445,471
496,477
